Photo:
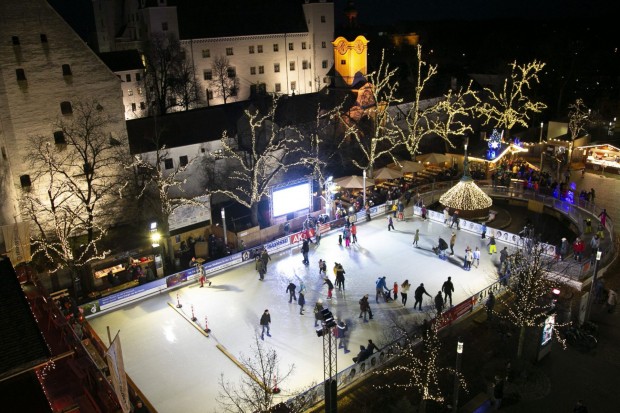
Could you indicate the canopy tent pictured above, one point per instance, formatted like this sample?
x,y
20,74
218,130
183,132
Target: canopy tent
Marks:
x,y
353,181
406,166
387,173
434,158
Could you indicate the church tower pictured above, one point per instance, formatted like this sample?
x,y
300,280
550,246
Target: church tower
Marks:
x,y
350,61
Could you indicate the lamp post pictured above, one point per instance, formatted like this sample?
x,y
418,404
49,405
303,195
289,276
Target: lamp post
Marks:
x,y
542,153
459,353
224,226
590,296
364,183
327,186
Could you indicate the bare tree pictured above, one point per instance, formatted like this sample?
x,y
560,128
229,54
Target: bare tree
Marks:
x,y
186,87
76,184
224,82
578,116
512,106
528,299
444,118
367,123
420,364
255,390
271,151
164,59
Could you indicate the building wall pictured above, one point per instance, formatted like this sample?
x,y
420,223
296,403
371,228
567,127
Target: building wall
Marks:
x,y
28,108
134,97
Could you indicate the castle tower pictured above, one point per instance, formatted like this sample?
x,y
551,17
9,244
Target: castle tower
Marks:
x,y
350,61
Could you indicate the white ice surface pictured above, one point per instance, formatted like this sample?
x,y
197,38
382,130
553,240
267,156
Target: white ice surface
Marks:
x,y
178,369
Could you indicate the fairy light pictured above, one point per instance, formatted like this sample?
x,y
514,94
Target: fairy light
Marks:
x,y
422,370
466,196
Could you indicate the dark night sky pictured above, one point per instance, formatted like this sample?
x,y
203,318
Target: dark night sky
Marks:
x,y
390,11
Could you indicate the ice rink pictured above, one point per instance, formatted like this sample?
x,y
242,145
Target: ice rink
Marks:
x,y
178,369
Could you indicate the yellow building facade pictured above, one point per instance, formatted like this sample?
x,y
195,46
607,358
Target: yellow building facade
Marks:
x,y
350,60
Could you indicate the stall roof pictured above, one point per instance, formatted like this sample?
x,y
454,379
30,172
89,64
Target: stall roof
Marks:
x,y
597,145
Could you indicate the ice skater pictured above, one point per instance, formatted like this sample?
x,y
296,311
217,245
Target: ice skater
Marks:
x,y
330,287
305,249
339,331
390,223
418,295
291,292
452,242
448,289
477,257
380,285
322,267
318,315
354,232
404,291
265,258
302,298
365,308
439,302
265,321
416,238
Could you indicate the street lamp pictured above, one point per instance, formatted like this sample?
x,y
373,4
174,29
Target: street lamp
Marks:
x,y
364,178
155,236
224,227
459,353
590,296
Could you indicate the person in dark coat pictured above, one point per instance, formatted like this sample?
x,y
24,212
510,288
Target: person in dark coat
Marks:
x,y
291,292
265,258
302,298
448,289
364,308
265,320
490,304
318,307
418,294
305,249
330,287
339,270
439,302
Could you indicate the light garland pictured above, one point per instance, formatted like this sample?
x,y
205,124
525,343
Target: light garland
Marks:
x,y
466,196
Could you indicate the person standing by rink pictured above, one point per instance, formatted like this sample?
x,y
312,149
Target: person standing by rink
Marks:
x,y
354,232
291,291
265,258
477,256
404,291
302,298
390,223
265,320
305,248
418,294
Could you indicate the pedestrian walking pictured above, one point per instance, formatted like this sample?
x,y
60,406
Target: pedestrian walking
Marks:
x,y
265,258
439,302
612,301
446,215
291,292
365,308
305,248
354,232
380,285
265,321
492,246
390,223
338,332
490,305
603,216
322,267
477,256
416,238
452,242
448,289
318,315
395,289
418,295
588,226
302,298
578,248
330,287
404,291
483,231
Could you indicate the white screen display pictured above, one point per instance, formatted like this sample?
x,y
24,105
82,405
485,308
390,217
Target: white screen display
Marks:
x,y
291,199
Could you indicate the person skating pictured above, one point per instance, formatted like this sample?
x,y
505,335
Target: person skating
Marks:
x,y
395,289
483,234
260,267
265,258
354,232
365,308
439,302
339,331
265,320
503,256
318,316
404,291
452,242
418,294
291,291
305,248
477,256
390,223
346,234
455,220
380,285
492,246
322,267
339,271
446,215
416,238
330,287
302,298
448,289
469,258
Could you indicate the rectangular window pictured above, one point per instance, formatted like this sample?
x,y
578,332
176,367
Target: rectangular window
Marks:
x,y
304,65
209,94
324,64
322,19
231,72
251,49
293,85
139,90
24,180
129,92
259,48
138,77
291,66
206,53
43,38
66,108
128,77
168,164
290,46
21,75
323,45
276,67
133,107
164,26
183,161
15,40
207,74
253,70
343,62
261,70
278,88
303,45
229,51
66,70
142,105
59,138
233,91
275,47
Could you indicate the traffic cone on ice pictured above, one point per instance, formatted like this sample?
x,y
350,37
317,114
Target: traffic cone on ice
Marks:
x,y
207,329
178,302
193,316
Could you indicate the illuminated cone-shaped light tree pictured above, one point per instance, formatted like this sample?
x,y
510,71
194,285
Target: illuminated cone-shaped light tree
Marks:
x,y
444,119
511,106
466,196
418,367
529,298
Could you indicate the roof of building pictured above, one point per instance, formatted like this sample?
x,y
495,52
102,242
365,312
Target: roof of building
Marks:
x,y
122,60
183,128
21,343
199,19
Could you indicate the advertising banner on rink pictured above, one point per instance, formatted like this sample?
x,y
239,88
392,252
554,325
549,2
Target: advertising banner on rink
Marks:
x,y
114,356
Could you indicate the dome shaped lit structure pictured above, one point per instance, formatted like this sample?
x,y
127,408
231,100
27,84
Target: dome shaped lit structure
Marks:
x,y
467,197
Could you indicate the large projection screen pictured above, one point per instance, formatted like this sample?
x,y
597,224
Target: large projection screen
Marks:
x,y
290,199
